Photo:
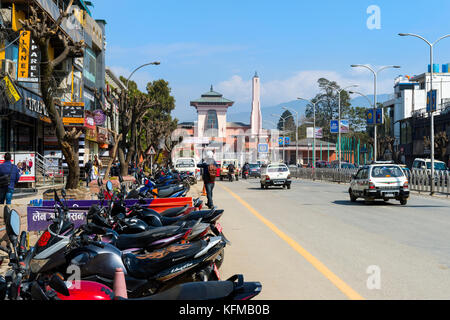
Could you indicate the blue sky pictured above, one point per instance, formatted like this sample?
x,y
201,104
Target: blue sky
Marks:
x,y
291,43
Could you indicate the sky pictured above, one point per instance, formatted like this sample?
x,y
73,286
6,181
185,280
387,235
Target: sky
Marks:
x,y
290,43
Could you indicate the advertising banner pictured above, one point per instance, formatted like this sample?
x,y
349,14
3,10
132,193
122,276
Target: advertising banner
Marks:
x,y
73,114
25,162
12,94
431,100
345,126
334,126
310,133
37,217
370,116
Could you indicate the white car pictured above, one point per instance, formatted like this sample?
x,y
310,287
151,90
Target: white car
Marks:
x,y
425,164
187,165
275,174
380,181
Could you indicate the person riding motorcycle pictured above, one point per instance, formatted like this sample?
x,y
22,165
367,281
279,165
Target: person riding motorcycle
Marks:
x,y
231,169
245,170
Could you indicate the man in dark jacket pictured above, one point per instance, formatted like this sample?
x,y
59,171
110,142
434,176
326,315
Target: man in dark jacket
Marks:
x,y
10,169
88,172
209,183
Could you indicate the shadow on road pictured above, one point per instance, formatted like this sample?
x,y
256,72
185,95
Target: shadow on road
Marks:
x,y
381,203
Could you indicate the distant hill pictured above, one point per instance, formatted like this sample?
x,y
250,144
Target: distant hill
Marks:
x,y
297,105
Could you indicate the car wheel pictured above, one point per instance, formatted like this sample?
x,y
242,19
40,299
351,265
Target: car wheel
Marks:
x,y
386,200
262,186
352,197
221,178
403,202
289,186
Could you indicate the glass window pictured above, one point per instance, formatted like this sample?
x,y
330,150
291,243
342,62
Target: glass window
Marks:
x,y
185,163
90,65
212,124
278,169
387,172
437,166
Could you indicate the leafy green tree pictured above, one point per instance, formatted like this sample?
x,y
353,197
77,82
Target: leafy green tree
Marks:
x,y
289,124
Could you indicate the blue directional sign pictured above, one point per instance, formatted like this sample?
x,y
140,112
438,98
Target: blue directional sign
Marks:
x,y
263,148
334,126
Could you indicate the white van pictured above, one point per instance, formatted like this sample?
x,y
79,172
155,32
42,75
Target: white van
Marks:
x,y
187,165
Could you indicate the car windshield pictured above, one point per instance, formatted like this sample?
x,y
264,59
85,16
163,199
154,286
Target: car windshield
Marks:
x,y
254,166
437,166
347,166
185,163
387,172
277,169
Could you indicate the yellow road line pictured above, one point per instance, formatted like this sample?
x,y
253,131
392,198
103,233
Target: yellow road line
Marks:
x,y
341,285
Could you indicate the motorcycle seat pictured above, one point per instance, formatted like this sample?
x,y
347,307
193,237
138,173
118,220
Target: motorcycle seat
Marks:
x,y
211,290
172,212
146,238
145,266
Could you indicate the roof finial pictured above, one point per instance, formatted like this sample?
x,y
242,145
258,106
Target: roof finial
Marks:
x,y
212,88
256,74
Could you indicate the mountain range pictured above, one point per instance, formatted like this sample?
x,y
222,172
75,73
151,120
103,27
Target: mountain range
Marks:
x,y
297,105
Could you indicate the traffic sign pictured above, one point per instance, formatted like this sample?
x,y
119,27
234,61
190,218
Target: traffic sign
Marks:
x,y
263,148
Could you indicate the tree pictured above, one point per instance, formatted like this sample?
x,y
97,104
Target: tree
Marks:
x,y
157,125
327,107
288,125
441,143
134,104
43,29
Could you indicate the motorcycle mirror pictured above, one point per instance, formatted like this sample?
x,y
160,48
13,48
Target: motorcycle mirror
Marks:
x,y
57,284
12,221
109,186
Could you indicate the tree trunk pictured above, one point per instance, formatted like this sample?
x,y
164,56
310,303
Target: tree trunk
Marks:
x,y
117,138
65,142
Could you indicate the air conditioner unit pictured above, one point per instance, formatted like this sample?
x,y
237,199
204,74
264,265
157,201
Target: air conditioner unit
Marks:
x,y
9,67
65,66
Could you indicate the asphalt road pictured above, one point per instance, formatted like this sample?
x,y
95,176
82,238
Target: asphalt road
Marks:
x,y
311,242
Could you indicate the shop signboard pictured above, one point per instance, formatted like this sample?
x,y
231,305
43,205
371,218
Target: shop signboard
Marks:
x,y
28,59
12,94
25,162
73,114
102,135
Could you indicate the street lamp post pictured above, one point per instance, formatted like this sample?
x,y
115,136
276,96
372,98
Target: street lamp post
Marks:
x,y
296,135
273,124
314,129
431,92
284,128
156,63
375,74
339,117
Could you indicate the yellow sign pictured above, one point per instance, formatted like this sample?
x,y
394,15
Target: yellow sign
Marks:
x,y
24,55
11,92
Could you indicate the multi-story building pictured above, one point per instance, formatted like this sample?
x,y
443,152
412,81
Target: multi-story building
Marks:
x,y
24,125
410,122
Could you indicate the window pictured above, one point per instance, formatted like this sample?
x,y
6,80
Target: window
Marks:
x,y
90,65
278,169
387,172
212,124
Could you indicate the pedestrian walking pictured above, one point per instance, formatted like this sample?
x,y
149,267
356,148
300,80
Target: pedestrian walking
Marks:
x,y
88,172
209,167
9,176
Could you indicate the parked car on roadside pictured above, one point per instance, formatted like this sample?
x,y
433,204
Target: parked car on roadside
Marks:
x,y
380,180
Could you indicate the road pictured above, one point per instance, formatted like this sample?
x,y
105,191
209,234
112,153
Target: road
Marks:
x,y
311,242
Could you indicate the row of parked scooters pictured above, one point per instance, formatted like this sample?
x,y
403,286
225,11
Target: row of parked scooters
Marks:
x,y
171,255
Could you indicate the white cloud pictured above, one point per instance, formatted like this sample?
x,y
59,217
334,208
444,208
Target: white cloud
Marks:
x,y
301,84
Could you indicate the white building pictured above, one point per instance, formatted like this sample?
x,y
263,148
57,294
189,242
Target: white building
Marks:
x,y
410,98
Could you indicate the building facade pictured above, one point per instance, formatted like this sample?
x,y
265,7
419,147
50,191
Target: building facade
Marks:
x,y
78,81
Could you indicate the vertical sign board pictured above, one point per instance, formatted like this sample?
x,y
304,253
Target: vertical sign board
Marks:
x,y
431,101
12,94
379,114
370,117
29,59
334,126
